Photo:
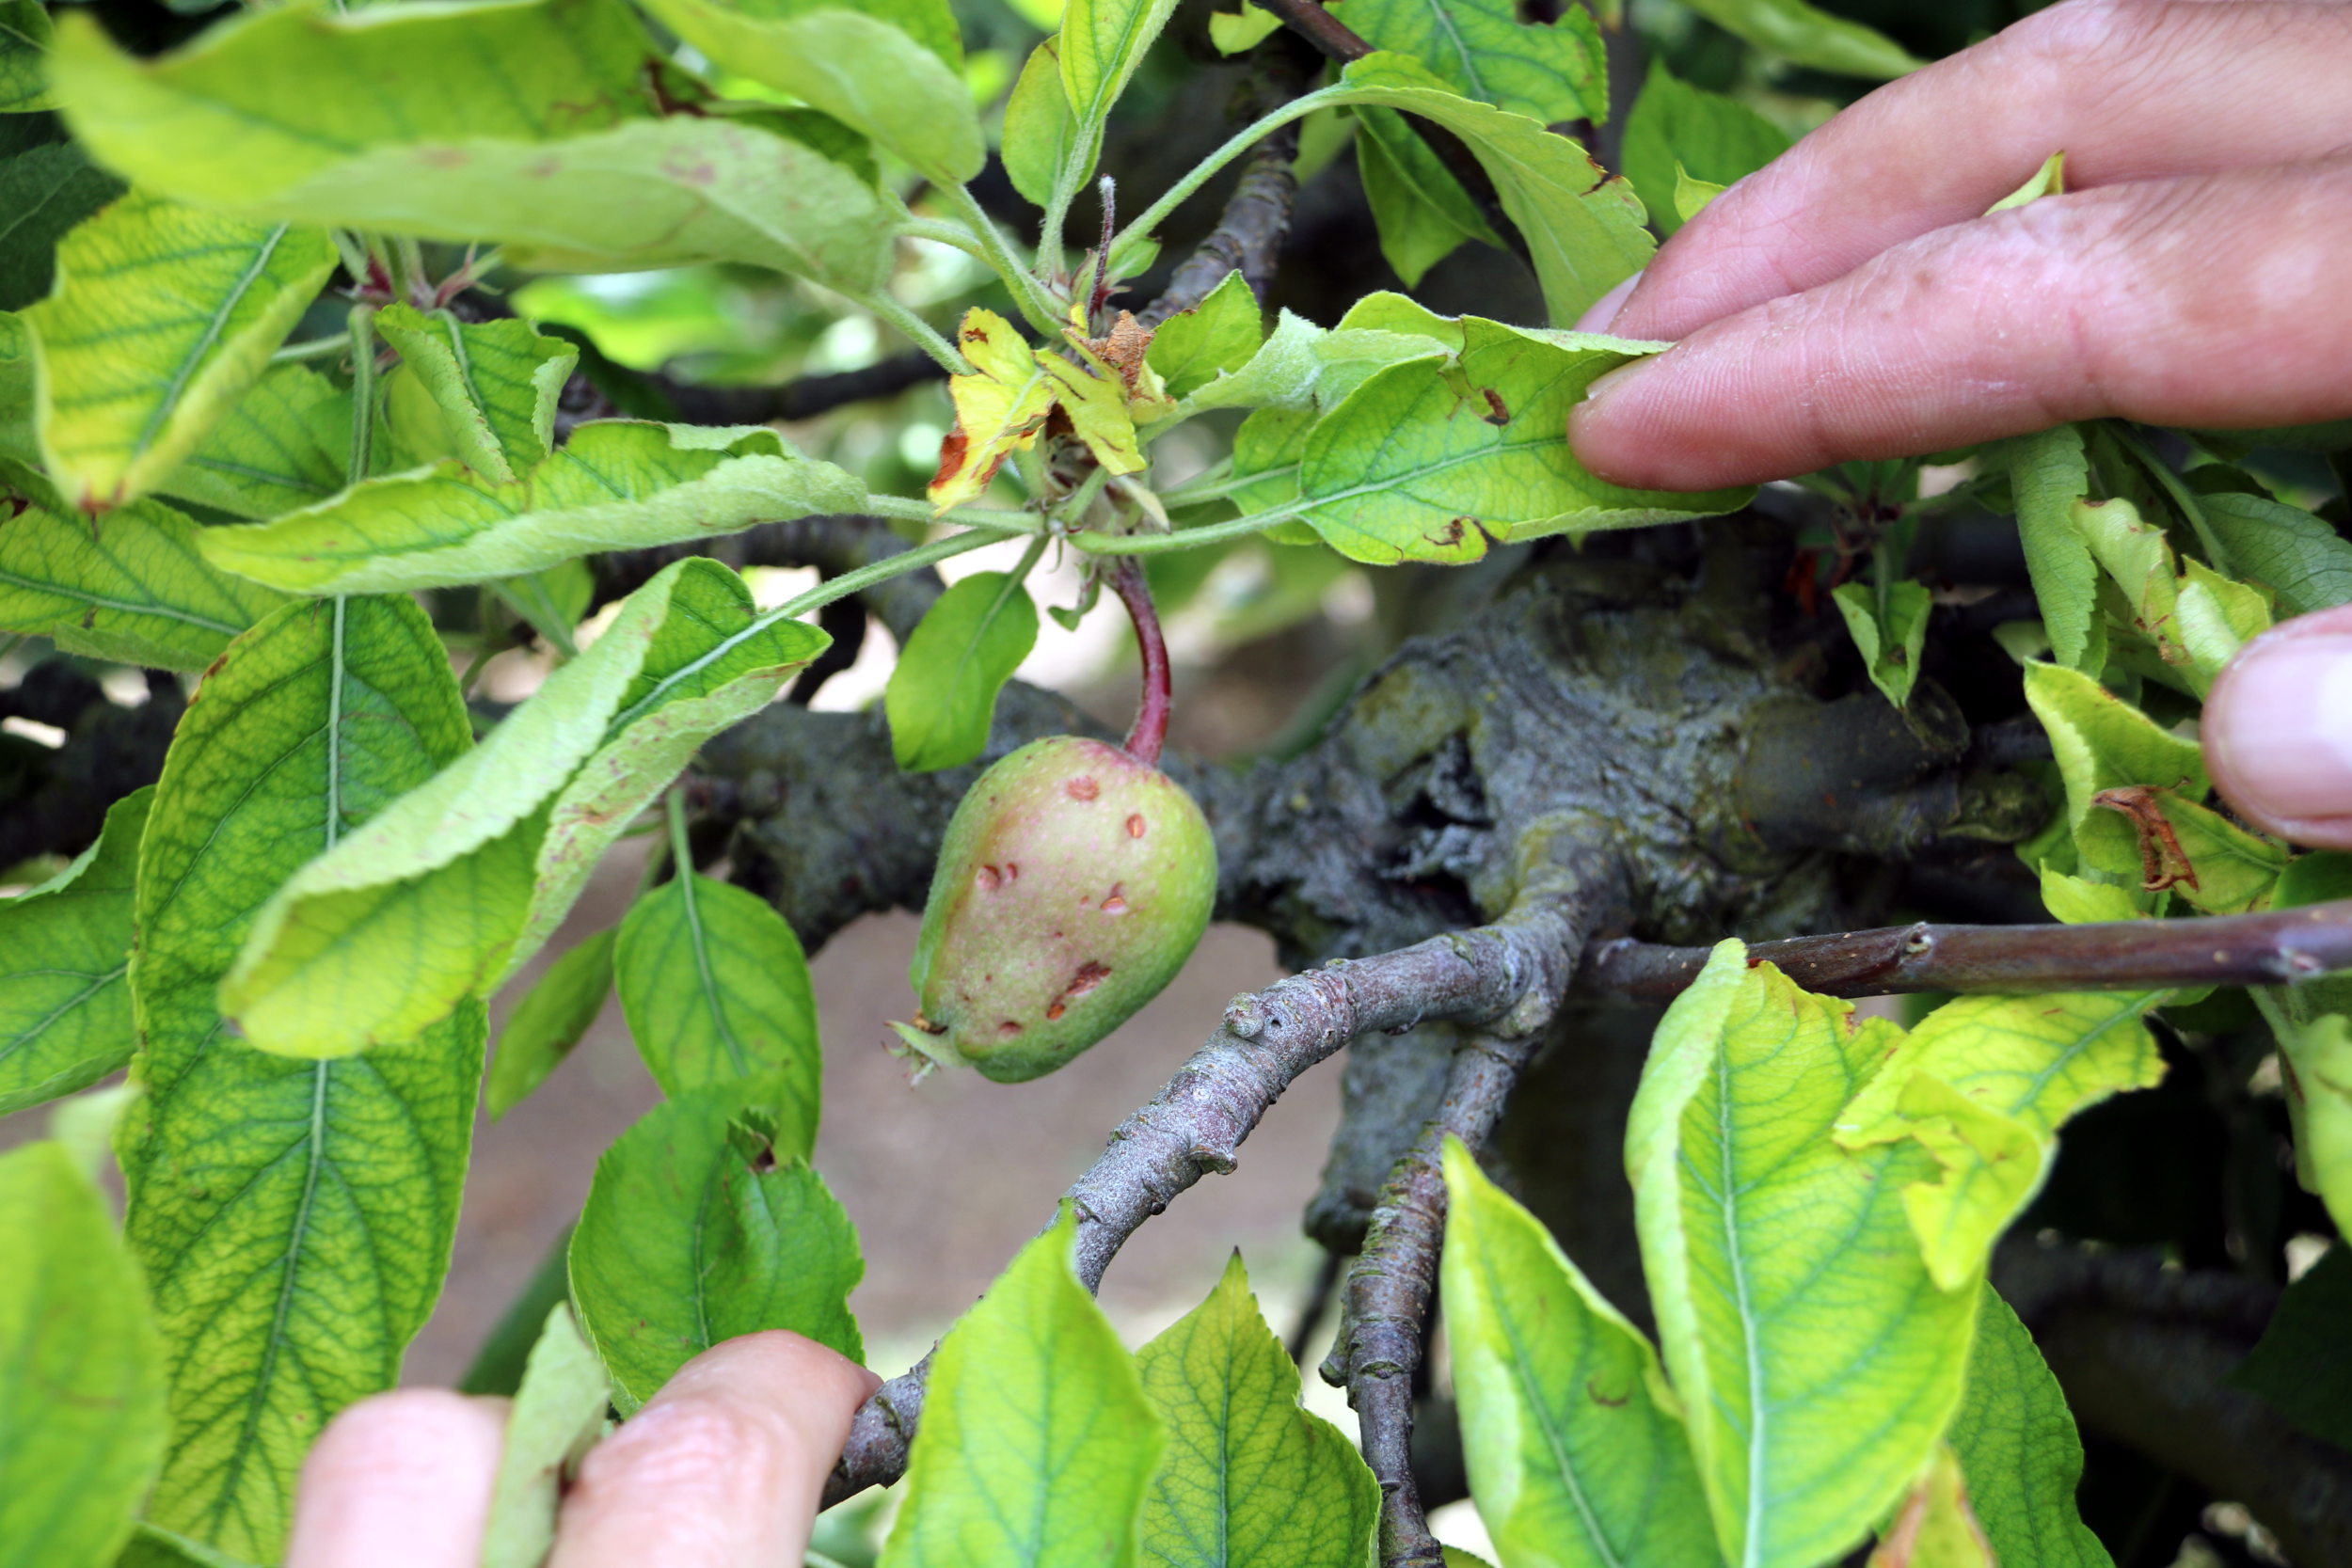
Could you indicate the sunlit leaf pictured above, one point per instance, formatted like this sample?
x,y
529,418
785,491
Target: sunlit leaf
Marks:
x,y
1675,126
490,387
617,484
999,407
1817,1359
1545,70
1037,1442
163,316
294,1218
137,588
1576,1449
1041,133
1219,334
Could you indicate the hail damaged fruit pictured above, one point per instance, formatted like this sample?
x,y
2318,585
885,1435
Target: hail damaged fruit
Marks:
x,y
1073,883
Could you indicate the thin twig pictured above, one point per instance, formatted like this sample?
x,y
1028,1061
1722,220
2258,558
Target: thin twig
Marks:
x,y
2282,946
1393,1284
1195,1125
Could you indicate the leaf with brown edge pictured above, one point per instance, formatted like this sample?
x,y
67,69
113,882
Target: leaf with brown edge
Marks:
x,y
999,407
2163,863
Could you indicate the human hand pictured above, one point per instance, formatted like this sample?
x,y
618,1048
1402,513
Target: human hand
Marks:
x,y
722,1468
1851,301
2278,729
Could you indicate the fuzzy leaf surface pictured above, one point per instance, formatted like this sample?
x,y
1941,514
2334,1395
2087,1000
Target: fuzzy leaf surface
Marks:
x,y
942,696
1429,460
1249,1479
81,1371
466,875
1192,347
294,1218
2049,475
2302,560
490,387
137,589
1890,636
65,958
525,125
285,445
549,1020
617,484
2019,1449
1103,41
1577,1457
1818,1360
1037,1441
717,990
163,316
705,1222
1983,1082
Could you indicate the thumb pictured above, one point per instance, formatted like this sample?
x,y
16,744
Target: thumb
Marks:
x,y
2210,301
2278,731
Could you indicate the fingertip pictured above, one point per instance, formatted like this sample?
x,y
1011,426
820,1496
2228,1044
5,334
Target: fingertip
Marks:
x,y
399,1480
2277,731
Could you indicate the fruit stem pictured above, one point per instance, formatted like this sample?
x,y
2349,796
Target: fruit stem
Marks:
x,y
1150,728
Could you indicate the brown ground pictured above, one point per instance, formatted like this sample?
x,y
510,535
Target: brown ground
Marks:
x,y
946,1179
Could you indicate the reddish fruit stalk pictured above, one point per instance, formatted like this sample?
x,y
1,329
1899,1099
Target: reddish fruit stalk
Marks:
x,y
1151,727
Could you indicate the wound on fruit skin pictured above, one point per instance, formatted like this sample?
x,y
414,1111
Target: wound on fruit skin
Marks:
x,y
1135,825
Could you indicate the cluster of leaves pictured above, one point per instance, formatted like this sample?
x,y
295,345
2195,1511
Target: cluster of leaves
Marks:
x,y
215,458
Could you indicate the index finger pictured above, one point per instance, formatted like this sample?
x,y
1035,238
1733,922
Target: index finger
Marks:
x,y
2130,90
723,1468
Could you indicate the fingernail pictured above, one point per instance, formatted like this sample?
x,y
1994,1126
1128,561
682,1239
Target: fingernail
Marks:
x,y
1603,312
2278,729
1614,384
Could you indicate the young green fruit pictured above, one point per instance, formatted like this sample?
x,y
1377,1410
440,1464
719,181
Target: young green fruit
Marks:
x,y
1073,883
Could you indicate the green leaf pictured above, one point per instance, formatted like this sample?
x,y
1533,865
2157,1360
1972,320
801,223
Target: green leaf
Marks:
x,y
2049,179
153,1547
294,1218
549,1020
1037,1442
2301,1367
1103,41
2076,900
1809,36
162,317
25,33
17,382
81,1377
1576,1448
1545,70
1236,32
519,124
2049,475
2018,1448
1249,1479
705,1222
1193,347
1890,636
1983,1083
1041,136
716,989
1713,139
2103,743
1934,1528
1428,461
1422,210
491,387
1691,197
2318,1058
467,875
135,588
1583,229
286,444
857,68
942,696
1817,1360
2297,556
45,191
1302,365
65,950
558,1414
617,484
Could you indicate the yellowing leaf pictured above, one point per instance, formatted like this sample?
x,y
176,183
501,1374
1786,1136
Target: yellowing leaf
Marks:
x,y
1936,1527
163,316
1983,1083
2049,179
2319,1058
1095,399
999,407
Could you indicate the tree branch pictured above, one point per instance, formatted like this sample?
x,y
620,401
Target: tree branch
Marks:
x,y
1515,967
2280,947
1391,1288
1249,232
804,397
